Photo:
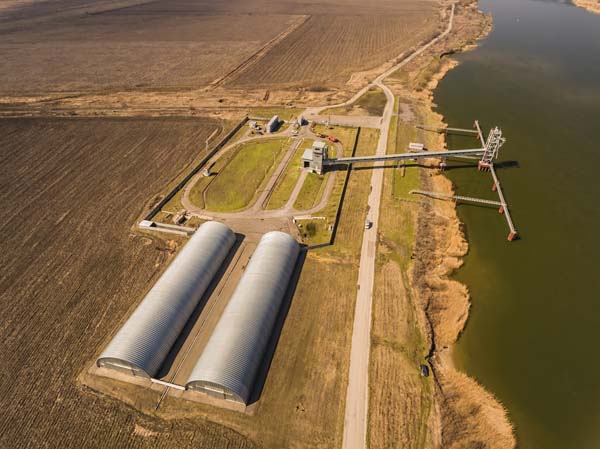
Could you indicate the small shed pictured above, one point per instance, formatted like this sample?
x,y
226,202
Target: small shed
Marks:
x,y
416,146
307,158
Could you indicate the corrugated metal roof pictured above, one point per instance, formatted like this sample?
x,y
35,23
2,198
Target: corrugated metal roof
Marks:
x,y
145,339
236,348
307,155
273,123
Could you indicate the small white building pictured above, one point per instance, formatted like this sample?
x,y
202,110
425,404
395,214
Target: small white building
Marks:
x,y
146,224
273,124
252,125
416,146
307,158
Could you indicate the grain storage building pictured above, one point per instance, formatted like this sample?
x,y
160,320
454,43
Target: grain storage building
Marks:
x,y
140,347
228,366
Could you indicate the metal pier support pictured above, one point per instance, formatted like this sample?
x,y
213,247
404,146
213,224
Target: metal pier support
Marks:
x,y
504,207
479,133
502,204
491,148
439,129
445,196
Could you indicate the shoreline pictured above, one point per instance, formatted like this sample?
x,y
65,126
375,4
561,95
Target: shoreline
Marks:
x,y
592,6
467,412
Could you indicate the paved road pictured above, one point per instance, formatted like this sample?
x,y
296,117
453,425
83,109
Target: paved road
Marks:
x,y
355,422
357,396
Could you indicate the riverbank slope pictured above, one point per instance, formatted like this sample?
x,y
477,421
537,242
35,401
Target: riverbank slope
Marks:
x,y
590,5
462,413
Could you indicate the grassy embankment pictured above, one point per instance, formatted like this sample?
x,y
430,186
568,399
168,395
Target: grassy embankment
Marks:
x,y
252,162
371,103
419,78
311,192
400,398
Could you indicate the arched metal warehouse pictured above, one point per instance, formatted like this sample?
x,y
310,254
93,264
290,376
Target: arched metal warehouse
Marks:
x,y
230,361
142,344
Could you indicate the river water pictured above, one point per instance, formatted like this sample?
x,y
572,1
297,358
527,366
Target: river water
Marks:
x,y
533,332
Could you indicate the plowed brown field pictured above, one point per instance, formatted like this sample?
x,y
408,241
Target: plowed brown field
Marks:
x,y
161,45
329,48
78,46
69,192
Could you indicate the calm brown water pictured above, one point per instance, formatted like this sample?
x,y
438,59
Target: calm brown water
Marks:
x,y
533,333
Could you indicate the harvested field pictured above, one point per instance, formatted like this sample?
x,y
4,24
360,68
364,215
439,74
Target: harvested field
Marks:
x,y
160,45
327,49
70,191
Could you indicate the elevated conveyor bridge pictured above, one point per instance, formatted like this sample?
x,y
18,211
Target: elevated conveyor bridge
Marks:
x,y
403,156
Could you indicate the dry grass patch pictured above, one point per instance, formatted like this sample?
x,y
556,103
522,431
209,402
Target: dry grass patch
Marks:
x,y
400,400
371,103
